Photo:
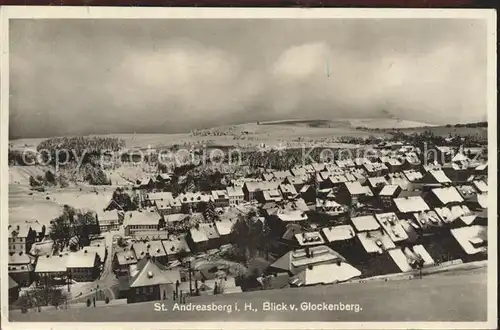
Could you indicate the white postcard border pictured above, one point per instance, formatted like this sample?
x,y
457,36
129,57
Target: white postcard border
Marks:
x,y
38,12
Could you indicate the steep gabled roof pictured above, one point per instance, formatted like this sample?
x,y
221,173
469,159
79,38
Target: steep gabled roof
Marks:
x,y
296,261
151,273
12,283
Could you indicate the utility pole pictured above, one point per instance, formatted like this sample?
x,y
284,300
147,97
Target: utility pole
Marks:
x,y
68,279
189,272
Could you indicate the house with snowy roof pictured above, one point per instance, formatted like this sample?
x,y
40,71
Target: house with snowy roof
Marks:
x,y
473,242
340,238
109,220
406,206
194,200
387,195
477,202
436,178
398,178
375,169
268,176
13,290
288,191
293,262
151,281
224,228
345,163
251,189
413,176
162,180
441,154
308,239
154,249
83,265
391,224
446,196
377,183
175,246
236,195
20,237
455,216
408,258
411,161
51,266
330,207
299,171
134,221
481,186
21,268
393,164
203,237
122,261
426,222
220,198
467,191
351,193
298,181
323,274
373,253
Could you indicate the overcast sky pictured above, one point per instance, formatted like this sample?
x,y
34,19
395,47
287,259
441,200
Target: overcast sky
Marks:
x,y
163,76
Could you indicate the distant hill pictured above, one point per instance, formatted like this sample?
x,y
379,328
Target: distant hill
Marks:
x,y
303,122
382,123
279,131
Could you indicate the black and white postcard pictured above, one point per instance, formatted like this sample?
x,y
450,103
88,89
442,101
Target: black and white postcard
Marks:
x,y
248,168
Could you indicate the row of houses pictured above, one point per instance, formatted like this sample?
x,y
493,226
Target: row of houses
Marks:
x,y
166,203
162,250
165,247
344,184
82,266
375,245
22,236
150,280
351,178
386,214
363,236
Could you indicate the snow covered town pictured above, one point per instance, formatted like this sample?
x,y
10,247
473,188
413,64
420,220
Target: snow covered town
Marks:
x,y
314,224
